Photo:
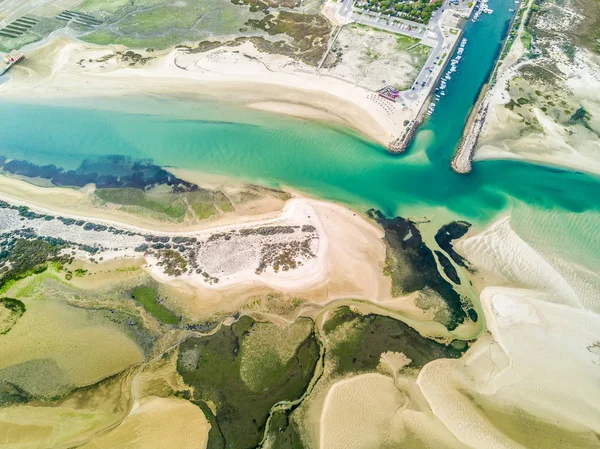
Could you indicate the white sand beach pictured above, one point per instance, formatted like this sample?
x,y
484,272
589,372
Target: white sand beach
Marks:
x,y
65,68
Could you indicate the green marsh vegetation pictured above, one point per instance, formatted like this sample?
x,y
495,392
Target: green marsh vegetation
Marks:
x,y
244,369
283,433
356,342
41,29
167,205
162,24
149,299
308,35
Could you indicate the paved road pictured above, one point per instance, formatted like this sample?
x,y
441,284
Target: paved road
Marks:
x,y
431,70
345,10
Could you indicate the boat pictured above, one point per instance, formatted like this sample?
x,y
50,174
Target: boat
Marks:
x,y
10,61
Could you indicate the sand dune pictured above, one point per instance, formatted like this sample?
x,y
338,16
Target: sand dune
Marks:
x,y
374,411
158,423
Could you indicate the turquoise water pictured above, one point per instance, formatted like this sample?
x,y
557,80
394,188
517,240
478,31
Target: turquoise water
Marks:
x,y
331,163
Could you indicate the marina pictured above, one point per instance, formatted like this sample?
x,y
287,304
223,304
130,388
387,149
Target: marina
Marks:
x,y
481,8
318,160
440,90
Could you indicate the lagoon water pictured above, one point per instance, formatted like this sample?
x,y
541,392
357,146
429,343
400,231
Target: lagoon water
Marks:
x,y
328,162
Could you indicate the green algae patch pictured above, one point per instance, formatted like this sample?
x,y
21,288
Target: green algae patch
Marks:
x,y
356,342
10,311
198,204
412,266
213,366
148,298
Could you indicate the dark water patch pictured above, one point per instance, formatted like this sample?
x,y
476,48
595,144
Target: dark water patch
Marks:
x,y
449,232
449,269
212,364
40,379
110,171
473,315
12,394
365,337
412,266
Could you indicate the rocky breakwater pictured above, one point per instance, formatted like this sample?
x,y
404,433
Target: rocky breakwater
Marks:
x,y
461,163
400,144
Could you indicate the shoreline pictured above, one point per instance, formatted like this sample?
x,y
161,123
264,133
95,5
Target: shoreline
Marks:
x,y
236,75
463,157
333,273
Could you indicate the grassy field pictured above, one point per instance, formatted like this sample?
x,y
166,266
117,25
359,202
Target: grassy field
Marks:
x,y
161,24
148,298
196,205
213,366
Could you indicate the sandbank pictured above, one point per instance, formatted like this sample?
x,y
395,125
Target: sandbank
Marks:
x,y
240,75
348,260
538,322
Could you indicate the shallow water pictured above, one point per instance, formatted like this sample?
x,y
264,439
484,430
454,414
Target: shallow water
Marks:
x,y
328,162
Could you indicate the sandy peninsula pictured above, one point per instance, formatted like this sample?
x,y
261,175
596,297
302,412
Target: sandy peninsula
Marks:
x,y
341,255
544,104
